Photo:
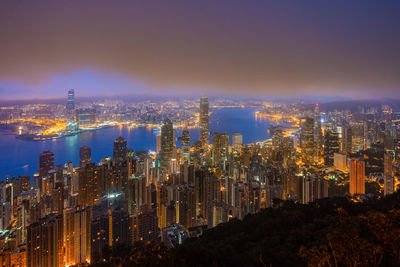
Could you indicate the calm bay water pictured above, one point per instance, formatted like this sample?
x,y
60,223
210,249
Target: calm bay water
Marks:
x,y
20,157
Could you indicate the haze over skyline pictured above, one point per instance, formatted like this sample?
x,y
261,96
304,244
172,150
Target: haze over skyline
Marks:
x,y
344,49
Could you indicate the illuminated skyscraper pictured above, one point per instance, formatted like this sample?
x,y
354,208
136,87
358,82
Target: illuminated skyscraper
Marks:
x,y
71,105
204,131
89,185
388,174
307,140
340,162
331,146
85,155
158,143
58,197
317,133
46,163
130,156
145,225
110,226
167,144
185,138
45,242
358,132
221,146
77,236
237,141
357,176
347,137
185,145
120,150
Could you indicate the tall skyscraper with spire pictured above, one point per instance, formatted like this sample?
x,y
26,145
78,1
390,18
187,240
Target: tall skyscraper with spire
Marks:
x,y
71,105
204,131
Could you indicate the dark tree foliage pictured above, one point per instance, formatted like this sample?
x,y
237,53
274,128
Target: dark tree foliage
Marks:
x,y
328,232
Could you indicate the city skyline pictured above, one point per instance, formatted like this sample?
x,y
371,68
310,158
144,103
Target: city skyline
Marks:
x,y
271,49
199,133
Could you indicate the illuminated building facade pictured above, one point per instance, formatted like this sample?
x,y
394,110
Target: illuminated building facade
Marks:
x,y
357,176
45,242
331,146
46,163
221,147
110,226
307,140
203,128
85,156
120,150
167,144
237,141
185,143
144,223
388,186
71,105
77,235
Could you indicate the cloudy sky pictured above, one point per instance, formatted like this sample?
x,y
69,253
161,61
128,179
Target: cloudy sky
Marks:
x,y
245,48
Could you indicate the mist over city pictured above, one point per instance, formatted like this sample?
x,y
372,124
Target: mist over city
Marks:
x,y
199,133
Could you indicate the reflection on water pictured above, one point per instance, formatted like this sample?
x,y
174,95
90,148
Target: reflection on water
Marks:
x,y
20,157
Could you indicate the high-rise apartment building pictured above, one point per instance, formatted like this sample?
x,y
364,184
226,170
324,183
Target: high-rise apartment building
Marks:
x,y
145,225
167,144
45,242
340,162
85,155
77,236
357,176
388,174
318,142
185,145
237,141
46,163
203,129
89,185
120,150
331,146
221,146
110,226
347,137
307,140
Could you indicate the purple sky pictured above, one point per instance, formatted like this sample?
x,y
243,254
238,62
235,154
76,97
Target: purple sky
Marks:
x,y
250,48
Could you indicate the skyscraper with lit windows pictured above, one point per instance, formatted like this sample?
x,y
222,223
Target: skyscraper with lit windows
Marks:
x,y
71,105
120,150
46,163
307,140
167,144
388,174
357,176
85,155
204,131
185,145
237,141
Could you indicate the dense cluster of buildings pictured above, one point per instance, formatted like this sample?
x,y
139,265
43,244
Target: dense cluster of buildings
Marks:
x,y
71,213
